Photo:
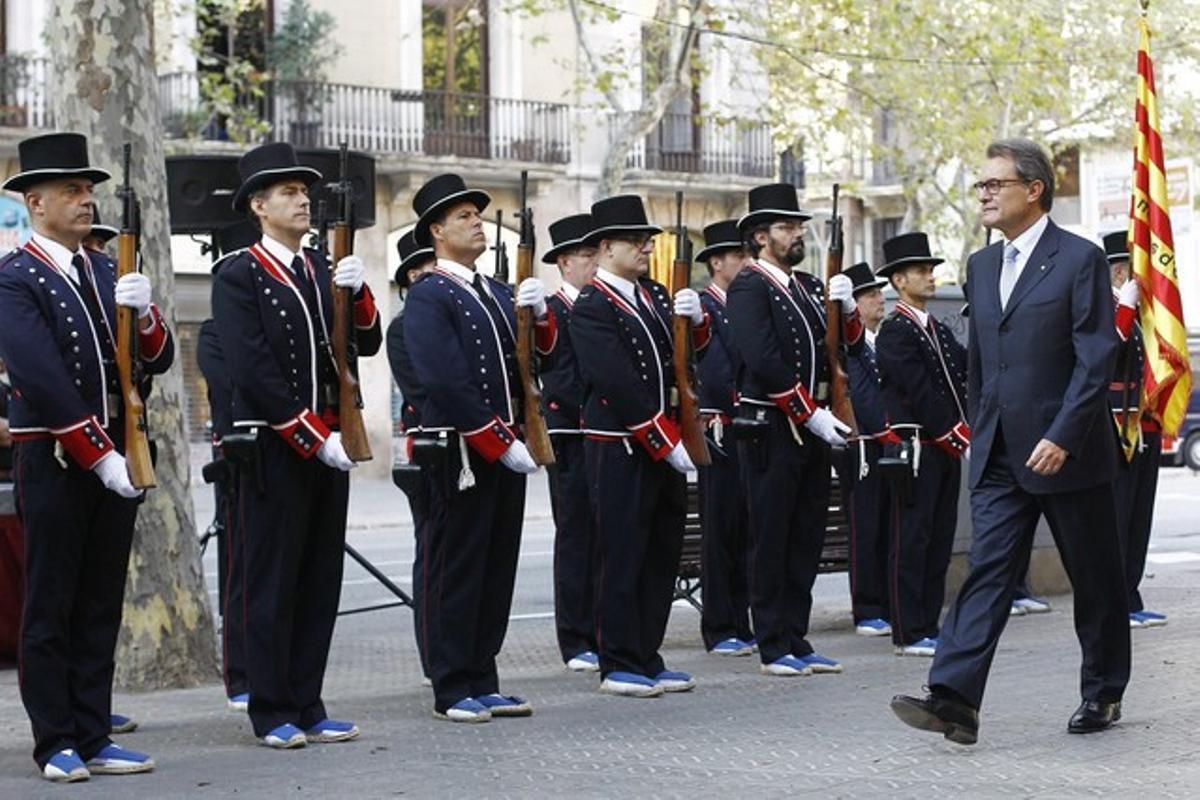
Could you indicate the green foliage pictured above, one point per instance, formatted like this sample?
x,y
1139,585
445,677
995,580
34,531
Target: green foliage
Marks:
x,y
229,52
952,75
299,55
463,23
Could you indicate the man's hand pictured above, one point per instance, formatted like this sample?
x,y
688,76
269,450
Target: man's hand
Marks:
x,y
333,454
841,288
113,473
1128,294
532,294
1047,458
687,304
518,459
349,273
825,425
133,291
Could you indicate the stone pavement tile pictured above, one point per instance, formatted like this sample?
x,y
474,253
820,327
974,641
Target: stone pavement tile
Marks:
x,y
738,734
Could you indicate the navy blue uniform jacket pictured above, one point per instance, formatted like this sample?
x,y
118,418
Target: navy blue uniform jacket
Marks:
x,y
562,385
270,338
61,369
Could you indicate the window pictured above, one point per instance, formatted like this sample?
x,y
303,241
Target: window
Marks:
x,y
455,77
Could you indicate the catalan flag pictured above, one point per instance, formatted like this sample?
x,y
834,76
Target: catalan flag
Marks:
x,y
1167,381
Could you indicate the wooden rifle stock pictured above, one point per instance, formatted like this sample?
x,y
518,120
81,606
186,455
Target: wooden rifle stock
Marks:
x,y
537,437
345,350
691,430
839,382
129,357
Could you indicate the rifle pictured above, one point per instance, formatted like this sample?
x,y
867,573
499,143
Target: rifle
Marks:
x,y
320,238
537,438
129,359
690,428
345,345
501,271
839,382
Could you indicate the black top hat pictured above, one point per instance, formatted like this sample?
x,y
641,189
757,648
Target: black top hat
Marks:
x,y
1116,246
438,193
907,248
619,215
53,156
412,255
770,202
863,278
567,233
270,164
719,237
105,233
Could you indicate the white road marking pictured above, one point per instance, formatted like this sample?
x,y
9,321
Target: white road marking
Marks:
x,y
1180,557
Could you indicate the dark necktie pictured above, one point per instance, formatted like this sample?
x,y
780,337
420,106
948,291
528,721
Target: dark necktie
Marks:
x,y
92,303
493,308
303,283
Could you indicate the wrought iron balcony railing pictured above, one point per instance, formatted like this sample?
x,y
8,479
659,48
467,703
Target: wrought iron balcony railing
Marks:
x,y
704,145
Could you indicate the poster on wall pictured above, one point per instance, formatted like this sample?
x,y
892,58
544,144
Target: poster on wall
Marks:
x,y
15,228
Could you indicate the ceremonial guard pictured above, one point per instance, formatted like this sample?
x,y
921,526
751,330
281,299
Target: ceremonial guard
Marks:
x,y
576,546
923,371
76,501
778,321
224,477
867,492
273,310
724,550
459,328
416,261
621,335
1139,434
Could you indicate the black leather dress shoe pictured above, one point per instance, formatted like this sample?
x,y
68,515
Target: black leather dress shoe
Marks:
x,y
956,721
1093,716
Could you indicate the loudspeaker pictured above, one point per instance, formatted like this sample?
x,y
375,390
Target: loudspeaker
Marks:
x,y
362,182
200,192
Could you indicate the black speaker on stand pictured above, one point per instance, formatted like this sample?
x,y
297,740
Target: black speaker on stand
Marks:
x,y
200,193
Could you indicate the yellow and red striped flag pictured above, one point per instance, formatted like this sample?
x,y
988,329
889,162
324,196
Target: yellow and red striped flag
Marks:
x,y
1167,379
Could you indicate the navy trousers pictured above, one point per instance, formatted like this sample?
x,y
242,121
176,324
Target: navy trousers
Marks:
x,y
1084,527
231,559
294,532
576,548
921,543
77,540
468,569
724,550
870,515
640,508
787,492
1135,489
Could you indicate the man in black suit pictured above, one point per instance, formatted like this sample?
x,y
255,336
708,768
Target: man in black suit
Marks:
x,y
1041,351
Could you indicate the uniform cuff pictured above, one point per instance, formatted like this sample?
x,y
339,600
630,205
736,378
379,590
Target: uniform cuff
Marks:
x,y
796,402
364,308
305,433
658,435
956,440
1126,315
852,327
545,332
153,340
84,441
491,441
702,333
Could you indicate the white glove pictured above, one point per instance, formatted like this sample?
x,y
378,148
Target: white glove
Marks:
x,y
687,304
517,457
824,424
113,473
842,288
678,458
532,294
349,273
133,291
334,455
1128,294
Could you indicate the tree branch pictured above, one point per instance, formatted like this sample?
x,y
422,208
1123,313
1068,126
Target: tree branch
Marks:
x,y
589,55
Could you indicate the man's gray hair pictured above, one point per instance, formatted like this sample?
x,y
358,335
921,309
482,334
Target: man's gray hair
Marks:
x,y
1031,163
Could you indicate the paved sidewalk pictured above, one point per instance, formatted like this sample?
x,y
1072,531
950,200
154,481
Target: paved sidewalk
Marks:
x,y
739,734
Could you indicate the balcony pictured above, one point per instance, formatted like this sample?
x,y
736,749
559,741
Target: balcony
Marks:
x,y
23,99
704,145
381,120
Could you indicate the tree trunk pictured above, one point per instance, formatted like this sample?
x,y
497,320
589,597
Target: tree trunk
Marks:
x,y
102,61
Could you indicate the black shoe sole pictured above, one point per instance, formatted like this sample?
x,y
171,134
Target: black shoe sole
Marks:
x,y
921,718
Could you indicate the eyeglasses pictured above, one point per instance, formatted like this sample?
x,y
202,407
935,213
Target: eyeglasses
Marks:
x,y
790,226
991,188
637,240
